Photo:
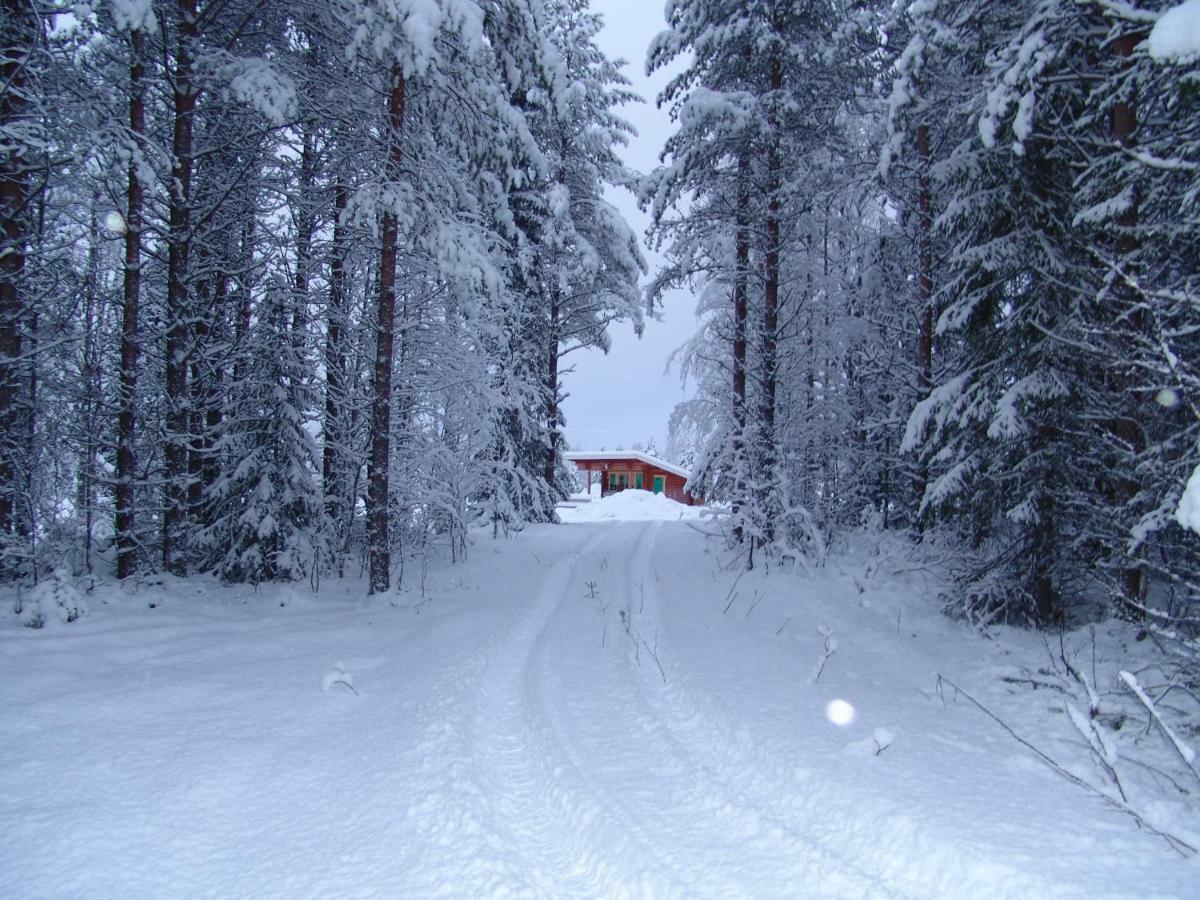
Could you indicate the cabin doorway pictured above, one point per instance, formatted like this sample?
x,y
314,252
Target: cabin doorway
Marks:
x,y
659,485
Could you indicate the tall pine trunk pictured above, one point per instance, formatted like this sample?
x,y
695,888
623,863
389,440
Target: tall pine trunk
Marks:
x,y
552,413
1126,426
175,493
18,39
125,525
306,224
333,462
378,539
924,359
766,475
91,375
741,312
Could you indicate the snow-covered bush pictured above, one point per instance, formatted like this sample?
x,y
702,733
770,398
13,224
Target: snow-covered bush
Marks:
x,y
54,599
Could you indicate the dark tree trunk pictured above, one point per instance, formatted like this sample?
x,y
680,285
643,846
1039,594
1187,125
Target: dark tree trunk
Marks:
x,y
174,523
1126,426
18,39
741,313
924,298
378,539
332,457
125,525
306,224
206,401
552,393
91,374
924,266
241,311
766,475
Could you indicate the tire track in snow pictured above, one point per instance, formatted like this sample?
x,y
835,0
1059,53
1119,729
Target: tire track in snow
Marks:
x,y
623,854
596,785
824,828
699,833
546,826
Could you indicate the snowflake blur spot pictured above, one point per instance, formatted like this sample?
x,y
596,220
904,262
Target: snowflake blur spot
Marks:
x,y
839,712
115,222
1167,398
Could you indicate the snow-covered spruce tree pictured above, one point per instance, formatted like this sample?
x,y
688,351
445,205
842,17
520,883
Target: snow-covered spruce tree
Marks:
x,y
708,162
929,76
571,262
136,175
478,164
267,510
589,257
1004,427
1137,220
225,95
400,52
760,159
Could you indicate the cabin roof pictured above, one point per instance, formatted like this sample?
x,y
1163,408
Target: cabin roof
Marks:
x,y
598,455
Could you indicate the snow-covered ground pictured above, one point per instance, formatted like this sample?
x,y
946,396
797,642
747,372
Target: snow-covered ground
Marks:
x,y
599,709
627,506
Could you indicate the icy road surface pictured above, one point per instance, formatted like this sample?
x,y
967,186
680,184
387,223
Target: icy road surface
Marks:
x,y
509,732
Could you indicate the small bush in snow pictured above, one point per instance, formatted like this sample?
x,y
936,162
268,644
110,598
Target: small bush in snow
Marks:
x,y
54,600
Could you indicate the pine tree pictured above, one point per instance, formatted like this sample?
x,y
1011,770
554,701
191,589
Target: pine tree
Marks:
x,y
268,519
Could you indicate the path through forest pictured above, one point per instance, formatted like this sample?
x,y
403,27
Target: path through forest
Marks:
x,y
589,710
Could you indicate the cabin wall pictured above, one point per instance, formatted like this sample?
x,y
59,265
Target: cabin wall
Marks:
x,y
672,487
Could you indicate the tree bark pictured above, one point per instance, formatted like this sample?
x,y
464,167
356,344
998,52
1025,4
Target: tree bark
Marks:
x,y
741,307
175,493
552,412
18,39
306,224
766,477
924,359
924,266
1126,426
332,459
378,539
125,525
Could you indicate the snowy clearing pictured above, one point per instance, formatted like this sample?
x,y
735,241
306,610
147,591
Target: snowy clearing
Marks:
x,y
585,710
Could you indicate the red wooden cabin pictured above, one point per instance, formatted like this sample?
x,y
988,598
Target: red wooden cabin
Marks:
x,y
624,470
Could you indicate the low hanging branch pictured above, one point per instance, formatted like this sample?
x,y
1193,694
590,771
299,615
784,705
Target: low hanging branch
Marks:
x,y
1186,753
1180,846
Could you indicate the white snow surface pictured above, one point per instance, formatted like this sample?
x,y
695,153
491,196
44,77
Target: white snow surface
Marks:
x,y
1187,513
1176,35
628,506
586,710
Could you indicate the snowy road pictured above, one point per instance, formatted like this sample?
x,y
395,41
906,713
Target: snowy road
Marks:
x,y
568,714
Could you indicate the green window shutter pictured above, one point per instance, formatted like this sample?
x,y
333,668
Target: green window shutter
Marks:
x,y
612,481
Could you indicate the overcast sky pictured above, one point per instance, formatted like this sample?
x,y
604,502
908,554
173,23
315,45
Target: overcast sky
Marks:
x,y
625,397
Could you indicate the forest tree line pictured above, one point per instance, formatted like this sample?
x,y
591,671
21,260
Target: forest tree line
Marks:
x,y
287,284
947,253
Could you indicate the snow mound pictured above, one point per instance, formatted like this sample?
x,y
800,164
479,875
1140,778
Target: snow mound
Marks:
x,y
1176,34
629,505
55,600
1188,512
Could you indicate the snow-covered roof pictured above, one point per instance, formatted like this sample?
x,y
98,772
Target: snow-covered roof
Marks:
x,y
590,456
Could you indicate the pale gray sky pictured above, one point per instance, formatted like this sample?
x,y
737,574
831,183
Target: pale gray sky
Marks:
x,y
625,397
